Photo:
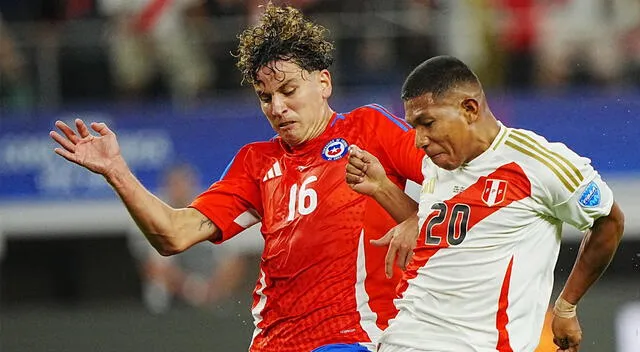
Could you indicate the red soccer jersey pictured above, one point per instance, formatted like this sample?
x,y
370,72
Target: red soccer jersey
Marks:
x,y
320,280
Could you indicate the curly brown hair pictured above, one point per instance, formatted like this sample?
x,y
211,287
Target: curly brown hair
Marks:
x,y
283,34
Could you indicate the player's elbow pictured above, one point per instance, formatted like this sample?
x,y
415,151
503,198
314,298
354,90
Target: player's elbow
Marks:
x,y
168,251
168,246
178,234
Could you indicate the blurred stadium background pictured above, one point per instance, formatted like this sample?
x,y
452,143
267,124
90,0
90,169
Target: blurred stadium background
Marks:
x,y
161,73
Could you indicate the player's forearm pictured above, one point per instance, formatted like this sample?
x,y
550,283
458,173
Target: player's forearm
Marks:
x,y
395,201
153,216
596,252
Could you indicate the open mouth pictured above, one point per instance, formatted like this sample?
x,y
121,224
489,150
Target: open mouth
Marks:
x,y
285,124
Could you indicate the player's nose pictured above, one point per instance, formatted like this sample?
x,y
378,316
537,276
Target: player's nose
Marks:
x,y
278,105
422,140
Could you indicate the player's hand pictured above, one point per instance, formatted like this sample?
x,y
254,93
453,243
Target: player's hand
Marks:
x,y
401,240
567,334
365,173
97,153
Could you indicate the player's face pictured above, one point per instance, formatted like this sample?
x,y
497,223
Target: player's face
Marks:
x,y
294,100
442,127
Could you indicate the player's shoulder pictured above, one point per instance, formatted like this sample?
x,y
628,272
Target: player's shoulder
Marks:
x,y
549,162
269,147
532,147
257,152
375,115
372,109
255,158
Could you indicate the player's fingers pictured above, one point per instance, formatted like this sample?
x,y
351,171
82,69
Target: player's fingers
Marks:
x,y
388,261
368,157
357,162
353,180
353,170
570,349
574,345
66,154
400,256
355,151
82,128
68,132
101,128
562,343
397,244
404,255
63,142
384,240
407,259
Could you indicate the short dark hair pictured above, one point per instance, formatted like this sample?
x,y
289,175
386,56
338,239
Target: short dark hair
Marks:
x,y
437,75
283,34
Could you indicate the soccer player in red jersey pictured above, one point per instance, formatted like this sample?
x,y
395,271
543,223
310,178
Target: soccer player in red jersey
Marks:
x,y
321,285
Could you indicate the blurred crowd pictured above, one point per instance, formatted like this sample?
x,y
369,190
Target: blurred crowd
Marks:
x,y
56,52
202,276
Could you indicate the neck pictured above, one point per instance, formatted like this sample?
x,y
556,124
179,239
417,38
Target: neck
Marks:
x,y
322,123
318,127
487,133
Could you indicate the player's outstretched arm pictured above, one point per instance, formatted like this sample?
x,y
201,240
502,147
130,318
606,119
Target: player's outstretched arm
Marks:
x,y
169,230
366,175
596,251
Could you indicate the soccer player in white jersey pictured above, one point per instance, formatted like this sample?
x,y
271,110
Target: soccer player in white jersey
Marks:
x,y
487,233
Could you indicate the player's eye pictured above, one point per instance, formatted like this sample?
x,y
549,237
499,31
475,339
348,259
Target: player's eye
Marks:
x,y
265,98
289,92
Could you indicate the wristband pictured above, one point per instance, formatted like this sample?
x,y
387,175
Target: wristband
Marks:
x,y
564,309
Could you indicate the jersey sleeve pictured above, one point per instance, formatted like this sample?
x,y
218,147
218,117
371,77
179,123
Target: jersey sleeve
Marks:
x,y
576,194
392,141
233,203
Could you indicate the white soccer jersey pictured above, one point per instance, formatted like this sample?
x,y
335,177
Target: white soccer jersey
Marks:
x,y
482,273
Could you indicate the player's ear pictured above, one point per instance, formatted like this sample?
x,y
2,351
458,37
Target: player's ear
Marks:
x,y
325,84
471,109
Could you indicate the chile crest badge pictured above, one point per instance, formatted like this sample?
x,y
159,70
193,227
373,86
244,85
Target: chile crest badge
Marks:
x,y
335,149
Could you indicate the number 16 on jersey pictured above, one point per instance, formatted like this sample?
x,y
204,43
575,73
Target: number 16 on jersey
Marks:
x,y
303,201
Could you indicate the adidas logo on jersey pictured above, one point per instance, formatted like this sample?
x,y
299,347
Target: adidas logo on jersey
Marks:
x,y
273,172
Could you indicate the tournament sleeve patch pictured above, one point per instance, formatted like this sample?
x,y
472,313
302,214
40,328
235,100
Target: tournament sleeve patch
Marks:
x,y
591,196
